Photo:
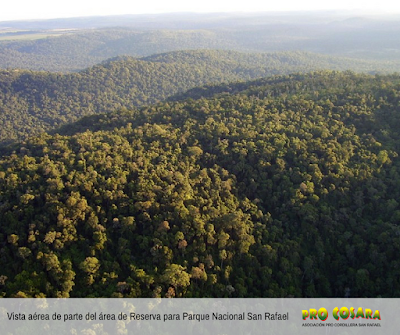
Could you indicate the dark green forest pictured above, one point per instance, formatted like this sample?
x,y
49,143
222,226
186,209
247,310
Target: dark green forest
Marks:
x,y
32,102
281,187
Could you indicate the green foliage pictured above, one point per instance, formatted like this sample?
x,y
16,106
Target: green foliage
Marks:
x,y
33,102
287,186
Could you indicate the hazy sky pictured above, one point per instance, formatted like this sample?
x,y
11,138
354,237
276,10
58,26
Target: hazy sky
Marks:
x,y
43,9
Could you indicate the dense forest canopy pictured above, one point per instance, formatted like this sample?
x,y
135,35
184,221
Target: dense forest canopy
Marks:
x,y
32,102
285,186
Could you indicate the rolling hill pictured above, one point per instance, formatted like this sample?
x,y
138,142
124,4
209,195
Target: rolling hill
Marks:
x,y
283,186
67,45
32,102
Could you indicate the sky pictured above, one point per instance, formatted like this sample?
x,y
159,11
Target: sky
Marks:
x,y
45,9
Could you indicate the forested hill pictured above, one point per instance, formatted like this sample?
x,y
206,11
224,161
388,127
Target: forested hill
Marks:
x,y
80,43
289,187
31,102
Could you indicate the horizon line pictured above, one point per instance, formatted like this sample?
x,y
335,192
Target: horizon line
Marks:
x,y
272,12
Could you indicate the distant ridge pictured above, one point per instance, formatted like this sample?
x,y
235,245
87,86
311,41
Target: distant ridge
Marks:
x,y
73,44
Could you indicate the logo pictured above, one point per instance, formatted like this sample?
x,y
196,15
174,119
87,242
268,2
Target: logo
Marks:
x,y
343,313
